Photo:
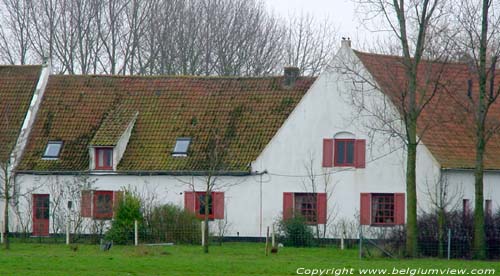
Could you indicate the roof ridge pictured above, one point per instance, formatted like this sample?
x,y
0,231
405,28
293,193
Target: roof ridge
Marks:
x,y
176,77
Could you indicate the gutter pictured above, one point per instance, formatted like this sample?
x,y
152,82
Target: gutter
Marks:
x,y
469,170
143,173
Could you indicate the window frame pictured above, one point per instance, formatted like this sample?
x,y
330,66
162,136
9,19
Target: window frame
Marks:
x,y
312,218
344,163
181,153
198,205
374,210
53,157
102,167
95,210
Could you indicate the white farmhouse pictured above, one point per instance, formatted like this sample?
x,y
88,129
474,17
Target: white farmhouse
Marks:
x,y
328,148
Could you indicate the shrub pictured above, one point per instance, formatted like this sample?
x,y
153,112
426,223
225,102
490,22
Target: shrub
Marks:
x,y
170,223
296,232
127,211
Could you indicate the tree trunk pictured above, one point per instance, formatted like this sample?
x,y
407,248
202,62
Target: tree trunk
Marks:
x,y
206,211
479,245
411,190
441,231
6,212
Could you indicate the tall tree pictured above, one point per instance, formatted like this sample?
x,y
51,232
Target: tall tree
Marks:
x,y
479,25
411,23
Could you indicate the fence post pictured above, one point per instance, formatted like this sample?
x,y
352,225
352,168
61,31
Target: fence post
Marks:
x,y
203,233
342,241
449,243
1,232
273,239
68,222
267,241
360,242
136,233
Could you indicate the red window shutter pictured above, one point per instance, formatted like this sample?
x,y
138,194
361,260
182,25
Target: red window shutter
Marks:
x,y
399,208
86,204
218,205
327,153
190,201
117,199
321,207
365,209
287,205
360,152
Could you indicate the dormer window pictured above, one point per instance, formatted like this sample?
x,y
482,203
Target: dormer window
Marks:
x,y
103,158
181,147
52,150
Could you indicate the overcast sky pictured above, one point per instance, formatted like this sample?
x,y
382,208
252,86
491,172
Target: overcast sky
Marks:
x,y
340,12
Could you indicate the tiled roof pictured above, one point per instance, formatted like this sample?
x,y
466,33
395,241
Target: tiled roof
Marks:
x,y
113,126
17,85
75,109
446,123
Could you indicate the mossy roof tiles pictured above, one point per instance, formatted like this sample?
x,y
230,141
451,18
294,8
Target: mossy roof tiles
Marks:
x,y
76,110
17,85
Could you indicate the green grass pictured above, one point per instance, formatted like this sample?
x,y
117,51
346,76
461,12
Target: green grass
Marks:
x,y
229,259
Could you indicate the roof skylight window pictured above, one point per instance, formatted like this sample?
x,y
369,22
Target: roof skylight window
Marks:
x,y
53,150
181,147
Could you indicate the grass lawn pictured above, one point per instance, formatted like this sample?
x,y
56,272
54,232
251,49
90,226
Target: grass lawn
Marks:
x,y
229,259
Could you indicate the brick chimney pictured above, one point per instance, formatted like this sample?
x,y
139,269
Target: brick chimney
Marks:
x,y
346,42
291,75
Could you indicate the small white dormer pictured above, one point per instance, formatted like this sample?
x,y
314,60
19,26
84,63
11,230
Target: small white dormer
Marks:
x,y
110,141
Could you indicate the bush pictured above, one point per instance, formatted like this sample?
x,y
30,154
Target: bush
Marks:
x,y
296,232
127,211
170,223
461,235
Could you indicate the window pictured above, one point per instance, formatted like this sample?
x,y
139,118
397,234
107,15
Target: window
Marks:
x,y
195,203
104,158
379,209
311,206
181,147
488,206
202,201
344,152
99,204
466,207
306,206
103,204
383,209
53,150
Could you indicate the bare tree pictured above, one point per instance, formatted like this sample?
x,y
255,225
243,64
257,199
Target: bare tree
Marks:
x,y
319,182
412,23
443,198
15,31
478,25
309,45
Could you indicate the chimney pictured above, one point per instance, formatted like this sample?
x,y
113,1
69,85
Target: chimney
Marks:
x,y
291,75
346,42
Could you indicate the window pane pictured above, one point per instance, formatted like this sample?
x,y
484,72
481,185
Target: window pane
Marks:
x,y
201,198
340,152
52,149
181,146
383,208
100,162
306,206
108,157
350,152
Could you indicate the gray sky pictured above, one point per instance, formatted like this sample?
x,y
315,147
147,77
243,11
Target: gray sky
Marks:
x,y
340,12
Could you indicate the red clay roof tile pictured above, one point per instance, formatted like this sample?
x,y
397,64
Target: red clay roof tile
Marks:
x,y
446,124
17,85
76,107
